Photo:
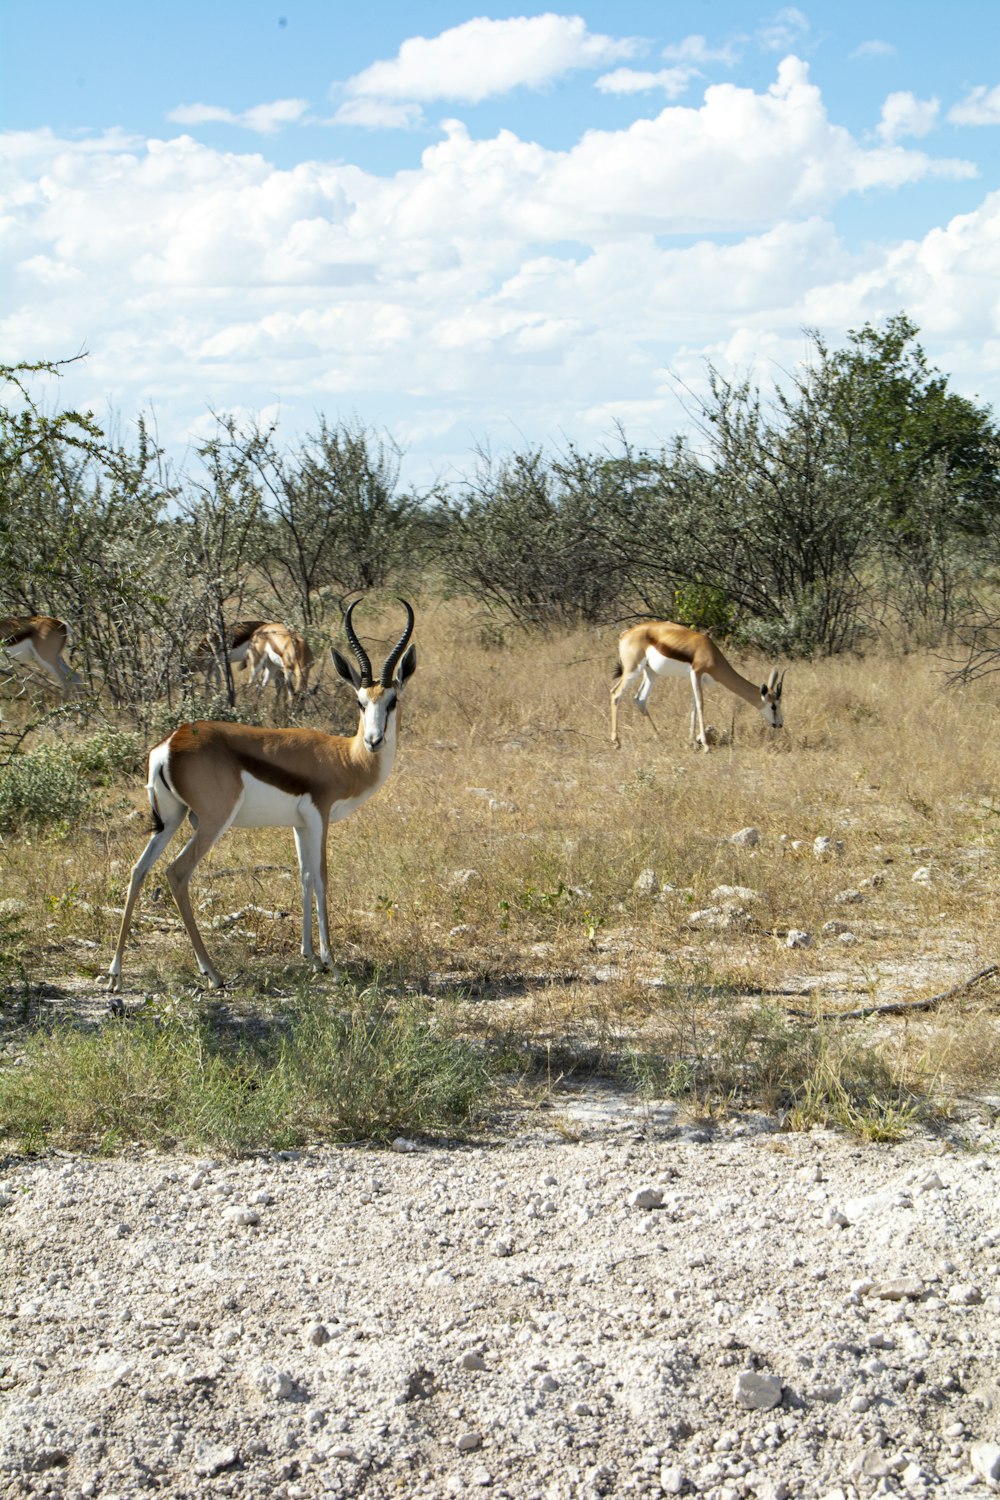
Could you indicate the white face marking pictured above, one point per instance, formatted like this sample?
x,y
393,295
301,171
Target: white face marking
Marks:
x,y
662,665
379,722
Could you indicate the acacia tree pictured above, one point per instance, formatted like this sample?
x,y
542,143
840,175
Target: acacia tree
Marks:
x,y
924,459
33,444
541,540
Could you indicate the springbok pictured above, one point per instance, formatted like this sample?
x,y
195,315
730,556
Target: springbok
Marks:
x,y
39,641
278,651
659,647
226,776
206,656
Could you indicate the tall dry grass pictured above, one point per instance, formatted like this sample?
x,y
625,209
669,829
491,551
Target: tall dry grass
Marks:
x,y
499,864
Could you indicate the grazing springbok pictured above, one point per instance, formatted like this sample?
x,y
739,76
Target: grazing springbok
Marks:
x,y
279,652
39,641
659,647
226,776
206,656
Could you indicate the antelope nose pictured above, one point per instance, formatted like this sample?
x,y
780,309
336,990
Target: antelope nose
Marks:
x,y
373,744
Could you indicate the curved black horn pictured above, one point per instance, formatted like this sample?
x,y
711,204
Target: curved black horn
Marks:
x,y
398,648
356,646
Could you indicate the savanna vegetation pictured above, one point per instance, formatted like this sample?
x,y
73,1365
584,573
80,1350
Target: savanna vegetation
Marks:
x,y
522,906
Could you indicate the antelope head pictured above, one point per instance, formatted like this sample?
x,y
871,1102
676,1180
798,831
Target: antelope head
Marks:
x,y
377,700
770,699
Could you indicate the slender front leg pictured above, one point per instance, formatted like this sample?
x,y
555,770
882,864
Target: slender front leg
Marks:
x,y
310,844
307,861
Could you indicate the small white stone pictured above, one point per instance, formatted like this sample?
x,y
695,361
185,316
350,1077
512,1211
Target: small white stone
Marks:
x,y
468,1442
473,1360
985,1459
922,875
274,1382
733,893
796,937
756,1391
239,1213
746,838
647,883
646,1198
963,1294
317,1334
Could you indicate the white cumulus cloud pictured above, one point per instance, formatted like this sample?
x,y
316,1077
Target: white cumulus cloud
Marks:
x,y
483,58
670,81
264,119
904,114
494,286
696,51
980,107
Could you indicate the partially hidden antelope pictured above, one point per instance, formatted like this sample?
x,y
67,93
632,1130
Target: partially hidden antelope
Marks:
x,y
224,776
277,651
39,641
659,647
208,658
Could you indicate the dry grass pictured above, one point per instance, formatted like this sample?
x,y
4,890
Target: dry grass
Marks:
x,y
498,866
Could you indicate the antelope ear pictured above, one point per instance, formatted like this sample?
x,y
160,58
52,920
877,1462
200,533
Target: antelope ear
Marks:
x,y
763,690
407,667
345,669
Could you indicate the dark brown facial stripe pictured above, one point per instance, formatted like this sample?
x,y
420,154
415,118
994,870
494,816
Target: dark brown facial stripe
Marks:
x,y
264,770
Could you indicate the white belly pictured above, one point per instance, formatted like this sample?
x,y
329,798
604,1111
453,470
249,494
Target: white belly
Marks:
x,y
266,806
665,666
23,651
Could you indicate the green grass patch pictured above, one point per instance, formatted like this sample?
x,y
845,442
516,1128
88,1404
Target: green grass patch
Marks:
x,y
758,1058
172,1077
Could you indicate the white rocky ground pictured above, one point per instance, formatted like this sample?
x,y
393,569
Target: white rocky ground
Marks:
x,y
644,1309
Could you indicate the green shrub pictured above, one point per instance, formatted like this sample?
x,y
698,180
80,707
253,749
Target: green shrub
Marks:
x,y
108,754
703,606
44,789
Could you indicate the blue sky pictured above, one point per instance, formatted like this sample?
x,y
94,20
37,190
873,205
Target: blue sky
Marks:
x,y
474,226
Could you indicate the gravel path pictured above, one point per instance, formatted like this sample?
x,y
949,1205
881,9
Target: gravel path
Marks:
x,y
642,1309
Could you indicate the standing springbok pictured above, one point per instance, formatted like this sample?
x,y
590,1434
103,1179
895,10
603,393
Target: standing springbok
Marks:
x,y
237,776
658,646
39,641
